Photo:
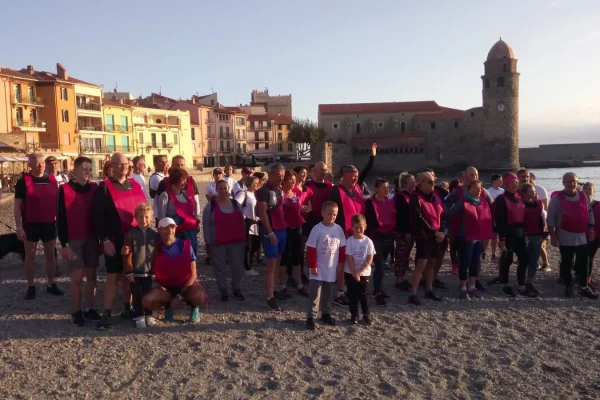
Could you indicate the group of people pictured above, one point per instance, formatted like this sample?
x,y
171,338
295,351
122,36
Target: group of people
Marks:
x,y
300,216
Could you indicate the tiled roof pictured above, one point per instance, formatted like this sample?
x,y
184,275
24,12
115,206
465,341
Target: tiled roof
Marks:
x,y
115,103
16,74
445,114
234,109
282,119
262,117
371,108
41,76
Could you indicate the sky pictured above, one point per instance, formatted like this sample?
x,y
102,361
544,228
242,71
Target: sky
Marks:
x,y
324,51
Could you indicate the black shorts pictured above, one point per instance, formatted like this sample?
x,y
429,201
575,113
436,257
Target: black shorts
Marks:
x,y
427,248
39,231
293,247
173,290
114,264
311,222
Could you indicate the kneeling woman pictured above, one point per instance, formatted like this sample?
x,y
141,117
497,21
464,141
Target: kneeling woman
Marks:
x,y
475,225
535,225
174,270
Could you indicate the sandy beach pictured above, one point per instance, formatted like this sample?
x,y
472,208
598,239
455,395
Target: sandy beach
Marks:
x,y
494,348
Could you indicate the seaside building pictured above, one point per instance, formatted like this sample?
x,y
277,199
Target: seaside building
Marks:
x,y
268,137
276,105
201,122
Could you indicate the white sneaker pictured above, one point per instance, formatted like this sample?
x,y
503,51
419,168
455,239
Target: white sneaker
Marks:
x,y
150,321
140,323
251,272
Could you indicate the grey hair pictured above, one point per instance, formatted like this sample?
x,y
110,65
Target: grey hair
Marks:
x,y
348,168
34,157
569,175
276,167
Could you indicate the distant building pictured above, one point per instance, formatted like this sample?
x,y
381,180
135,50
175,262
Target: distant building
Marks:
x,y
276,105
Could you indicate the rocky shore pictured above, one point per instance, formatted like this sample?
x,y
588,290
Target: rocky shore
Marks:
x,y
495,348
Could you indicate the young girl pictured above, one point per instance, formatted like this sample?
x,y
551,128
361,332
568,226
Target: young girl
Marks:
x,y
138,254
247,200
359,256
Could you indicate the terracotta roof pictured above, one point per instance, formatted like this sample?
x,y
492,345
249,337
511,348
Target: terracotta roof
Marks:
x,y
282,119
263,117
162,98
370,108
16,74
115,103
445,114
44,76
234,109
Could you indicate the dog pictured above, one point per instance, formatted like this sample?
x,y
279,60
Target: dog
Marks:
x,y
9,243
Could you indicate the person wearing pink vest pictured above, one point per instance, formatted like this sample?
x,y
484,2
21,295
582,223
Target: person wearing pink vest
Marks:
x,y
535,226
590,190
35,218
571,225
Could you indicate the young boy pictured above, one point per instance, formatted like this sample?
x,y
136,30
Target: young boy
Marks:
x,y
359,257
138,255
325,251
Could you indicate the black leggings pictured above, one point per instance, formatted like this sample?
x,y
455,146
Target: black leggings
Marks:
x,y
593,247
581,255
357,291
514,246
252,245
139,288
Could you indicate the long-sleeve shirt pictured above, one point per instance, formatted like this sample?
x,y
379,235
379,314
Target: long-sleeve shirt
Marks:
x,y
420,226
555,216
402,212
502,226
208,221
165,208
61,211
107,222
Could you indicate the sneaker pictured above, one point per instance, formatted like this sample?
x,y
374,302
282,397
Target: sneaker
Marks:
x,y
342,301
250,272
507,290
464,295
279,295
588,292
528,293
532,288
30,295
327,319
105,322
479,286
367,319
380,299
224,296
454,269
475,293
540,267
438,284
404,286
77,319
496,281
354,319
272,303
546,268
286,293
302,292
237,294
310,324
385,295
140,323
169,317
54,290
569,291
150,320
92,315
194,315
430,295
414,300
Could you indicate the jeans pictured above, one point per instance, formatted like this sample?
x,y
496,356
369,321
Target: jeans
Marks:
x,y
357,291
581,263
534,248
514,246
469,255
384,246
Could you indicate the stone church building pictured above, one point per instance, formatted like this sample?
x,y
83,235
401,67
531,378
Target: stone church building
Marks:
x,y
419,134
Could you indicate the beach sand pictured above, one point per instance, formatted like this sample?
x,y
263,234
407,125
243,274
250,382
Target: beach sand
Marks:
x,y
495,348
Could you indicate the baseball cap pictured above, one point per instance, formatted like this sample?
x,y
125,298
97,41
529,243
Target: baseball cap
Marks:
x,y
165,222
50,159
247,171
217,171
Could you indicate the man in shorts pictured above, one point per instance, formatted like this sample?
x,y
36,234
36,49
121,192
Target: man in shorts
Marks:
x,y
79,243
35,217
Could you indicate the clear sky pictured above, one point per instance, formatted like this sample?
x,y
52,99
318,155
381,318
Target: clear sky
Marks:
x,y
324,51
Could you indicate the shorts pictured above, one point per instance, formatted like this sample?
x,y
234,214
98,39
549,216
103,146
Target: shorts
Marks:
x,y
311,222
87,252
427,248
293,247
271,251
173,290
39,231
114,264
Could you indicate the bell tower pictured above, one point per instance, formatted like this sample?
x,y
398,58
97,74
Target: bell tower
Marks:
x,y
500,129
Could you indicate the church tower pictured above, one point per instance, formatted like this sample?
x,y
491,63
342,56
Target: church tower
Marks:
x,y
500,129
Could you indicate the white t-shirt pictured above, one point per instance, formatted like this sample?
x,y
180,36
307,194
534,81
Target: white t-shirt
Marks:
x,y
154,181
249,209
237,188
360,250
141,180
327,240
211,188
542,193
495,192
231,181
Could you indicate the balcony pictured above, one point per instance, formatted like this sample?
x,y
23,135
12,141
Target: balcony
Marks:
x,y
89,107
31,125
259,140
210,121
158,145
90,128
47,147
118,128
28,101
93,149
264,127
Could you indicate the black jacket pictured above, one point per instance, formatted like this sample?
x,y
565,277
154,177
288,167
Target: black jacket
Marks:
x,y
107,223
420,227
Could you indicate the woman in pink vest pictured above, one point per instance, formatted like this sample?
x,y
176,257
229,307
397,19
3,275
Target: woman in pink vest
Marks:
x,y
174,269
381,223
590,190
535,227
473,220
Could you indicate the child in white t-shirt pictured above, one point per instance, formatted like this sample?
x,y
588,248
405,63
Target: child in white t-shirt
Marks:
x,y
325,253
359,257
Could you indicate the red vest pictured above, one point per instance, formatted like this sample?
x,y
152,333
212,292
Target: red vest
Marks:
x,y
318,197
532,218
515,212
79,211
351,206
172,271
478,221
40,201
229,228
185,211
189,186
125,202
554,194
432,212
385,211
596,210
574,213
291,211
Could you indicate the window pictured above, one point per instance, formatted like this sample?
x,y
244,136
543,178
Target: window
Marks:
x,y
238,148
266,146
487,83
66,138
244,147
358,128
175,139
433,125
141,137
110,122
210,149
19,114
256,136
504,68
240,121
208,115
456,124
125,143
163,139
31,94
110,143
220,131
154,140
403,127
18,94
500,81
124,123
65,115
279,137
63,94
32,115
290,147
279,127
472,113
193,133
255,146
222,146
279,146
228,145
227,132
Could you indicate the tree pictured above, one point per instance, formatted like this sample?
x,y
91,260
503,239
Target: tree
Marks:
x,y
305,133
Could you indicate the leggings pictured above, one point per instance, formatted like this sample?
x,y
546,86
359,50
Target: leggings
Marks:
x,y
454,252
404,245
469,254
139,288
534,246
357,292
514,246
252,245
384,246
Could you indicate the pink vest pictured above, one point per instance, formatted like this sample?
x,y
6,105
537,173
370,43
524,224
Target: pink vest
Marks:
x,y
292,206
432,212
172,271
229,227
478,221
351,206
318,197
125,202
385,211
189,186
532,218
574,213
515,211
79,211
40,203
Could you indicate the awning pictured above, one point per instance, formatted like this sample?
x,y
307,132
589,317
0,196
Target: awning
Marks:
x,y
4,159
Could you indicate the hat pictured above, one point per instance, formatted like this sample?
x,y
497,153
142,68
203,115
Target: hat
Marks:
x,y
509,178
247,171
165,222
50,159
217,171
